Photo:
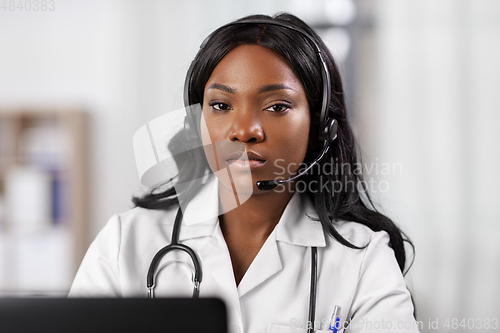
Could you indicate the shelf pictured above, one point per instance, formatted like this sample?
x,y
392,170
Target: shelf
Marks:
x,y
43,199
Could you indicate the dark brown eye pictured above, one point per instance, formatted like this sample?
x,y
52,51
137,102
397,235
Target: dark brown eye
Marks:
x,y
219,106
278,107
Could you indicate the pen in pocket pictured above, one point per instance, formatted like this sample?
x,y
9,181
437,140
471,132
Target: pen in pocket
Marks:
x,y
335,321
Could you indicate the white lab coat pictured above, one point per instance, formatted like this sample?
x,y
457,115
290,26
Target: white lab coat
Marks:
x,y
273,295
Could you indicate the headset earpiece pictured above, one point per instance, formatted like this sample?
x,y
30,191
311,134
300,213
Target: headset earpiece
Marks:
x,y
191,134
331,128
191,122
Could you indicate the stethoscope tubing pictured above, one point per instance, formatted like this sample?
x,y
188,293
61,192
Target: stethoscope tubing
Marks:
x,y
312,292
175,245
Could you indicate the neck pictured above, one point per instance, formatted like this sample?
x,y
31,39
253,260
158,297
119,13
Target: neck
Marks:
x,y
247,227
256,217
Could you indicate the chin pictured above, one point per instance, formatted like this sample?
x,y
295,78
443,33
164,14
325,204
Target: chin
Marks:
x,y
239,183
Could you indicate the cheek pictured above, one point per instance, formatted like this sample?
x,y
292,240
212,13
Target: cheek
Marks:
x,y
212,128
294,141
300,142
299,133
303,134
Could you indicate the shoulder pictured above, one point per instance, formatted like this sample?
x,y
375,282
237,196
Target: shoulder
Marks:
x,y
360,236
367,241
136,221
373,254
144,216
357,233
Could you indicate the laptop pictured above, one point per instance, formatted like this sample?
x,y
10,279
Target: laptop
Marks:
x,y
207,315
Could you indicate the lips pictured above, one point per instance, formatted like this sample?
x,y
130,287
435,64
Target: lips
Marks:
x,y
251,160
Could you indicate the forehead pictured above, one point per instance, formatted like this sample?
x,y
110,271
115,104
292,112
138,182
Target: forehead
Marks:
x,y
253,65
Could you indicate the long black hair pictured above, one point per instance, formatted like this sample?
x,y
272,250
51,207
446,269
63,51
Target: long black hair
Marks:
x,y
337,195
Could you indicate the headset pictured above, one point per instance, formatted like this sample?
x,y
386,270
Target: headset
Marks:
x,y
328,133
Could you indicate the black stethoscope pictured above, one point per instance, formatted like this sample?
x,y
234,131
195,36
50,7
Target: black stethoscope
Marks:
x,y
198,273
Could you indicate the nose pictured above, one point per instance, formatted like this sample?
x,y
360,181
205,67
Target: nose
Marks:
x,y
246,127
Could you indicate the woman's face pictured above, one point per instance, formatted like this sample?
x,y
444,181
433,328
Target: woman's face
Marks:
x,y
253,98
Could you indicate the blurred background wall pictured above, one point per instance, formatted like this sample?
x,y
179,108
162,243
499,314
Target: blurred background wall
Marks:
x,y
437,87
421,77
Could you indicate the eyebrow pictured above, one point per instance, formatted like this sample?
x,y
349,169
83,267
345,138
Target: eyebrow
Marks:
x,y
221,87
269,87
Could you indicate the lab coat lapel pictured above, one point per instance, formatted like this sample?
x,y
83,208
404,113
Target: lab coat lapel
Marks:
x,y
216,263
265,265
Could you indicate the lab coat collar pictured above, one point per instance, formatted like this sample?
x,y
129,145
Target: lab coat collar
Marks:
x,y
204,207
298,224
201,215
